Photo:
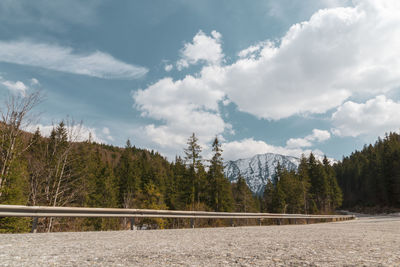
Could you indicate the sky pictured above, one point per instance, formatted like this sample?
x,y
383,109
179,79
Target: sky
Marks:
x,y
278,76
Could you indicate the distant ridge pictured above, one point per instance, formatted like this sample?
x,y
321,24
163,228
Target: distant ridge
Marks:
x,y
258,169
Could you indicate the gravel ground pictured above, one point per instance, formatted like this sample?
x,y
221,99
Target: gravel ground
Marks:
x,y
363,242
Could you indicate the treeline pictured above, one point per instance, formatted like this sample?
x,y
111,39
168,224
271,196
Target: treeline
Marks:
x,y
371,177
60,171
312,188
56,172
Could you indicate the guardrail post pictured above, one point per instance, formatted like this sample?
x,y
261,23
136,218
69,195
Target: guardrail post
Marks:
x,y
132,223
232,224
34,225
259,221
295,222
191,223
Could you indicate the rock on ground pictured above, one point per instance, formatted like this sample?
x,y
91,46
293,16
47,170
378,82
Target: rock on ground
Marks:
x,y
373,241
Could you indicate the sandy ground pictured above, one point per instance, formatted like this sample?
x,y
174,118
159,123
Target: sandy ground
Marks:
x,y
373,241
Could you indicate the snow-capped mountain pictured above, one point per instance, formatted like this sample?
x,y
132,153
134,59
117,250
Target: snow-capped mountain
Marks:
x,y
258,169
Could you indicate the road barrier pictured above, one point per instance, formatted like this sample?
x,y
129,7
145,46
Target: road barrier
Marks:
x,y
42,211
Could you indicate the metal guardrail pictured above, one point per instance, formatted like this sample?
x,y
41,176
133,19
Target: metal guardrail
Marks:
x,y
42,211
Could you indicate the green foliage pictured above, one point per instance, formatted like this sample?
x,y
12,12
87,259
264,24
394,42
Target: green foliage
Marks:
x,y
55,171
15,193
193,158
245,201
219,188
371,177
128,172
312,189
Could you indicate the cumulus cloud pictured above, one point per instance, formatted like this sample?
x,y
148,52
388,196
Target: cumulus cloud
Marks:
x,y
168,67
319,63
373,118
60,58
298,142
249,147
18,86
203,48
252,51
183,107
316,136
316,66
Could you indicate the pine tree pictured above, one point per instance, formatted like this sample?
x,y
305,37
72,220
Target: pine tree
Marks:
x,y
267,198
334,193
193,158
128,176
221,198
319,183
243,197
305,182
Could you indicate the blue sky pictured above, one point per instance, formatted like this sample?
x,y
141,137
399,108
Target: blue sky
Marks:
x,y
286,77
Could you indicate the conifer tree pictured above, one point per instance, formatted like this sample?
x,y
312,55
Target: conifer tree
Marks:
x,y
267,198
128,176
243,197
334,193
319,189
305,182
193,158
221,198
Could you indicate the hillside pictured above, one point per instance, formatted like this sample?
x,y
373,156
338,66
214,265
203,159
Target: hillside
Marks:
x,y
371,177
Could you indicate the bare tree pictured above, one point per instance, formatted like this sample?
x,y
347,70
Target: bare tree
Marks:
x,y
15,116
129,202
61,180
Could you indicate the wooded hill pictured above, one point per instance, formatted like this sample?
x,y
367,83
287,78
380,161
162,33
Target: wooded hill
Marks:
x,y
370,178
56,171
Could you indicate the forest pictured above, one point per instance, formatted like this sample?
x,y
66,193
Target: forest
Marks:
x,y
370,178
62,170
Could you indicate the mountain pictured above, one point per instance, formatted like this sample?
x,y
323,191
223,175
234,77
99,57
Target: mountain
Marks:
x,y
258,169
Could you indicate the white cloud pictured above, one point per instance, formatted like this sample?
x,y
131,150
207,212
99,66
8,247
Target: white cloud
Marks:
x,y
318,64
183,107
298,142
203,49
106,132
316,136
283,9
168,67
372,118
252,51
17,86
249,147
59,58
76,132
34,81
319,135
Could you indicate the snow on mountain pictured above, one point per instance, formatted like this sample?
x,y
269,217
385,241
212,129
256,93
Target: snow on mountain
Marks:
x,y
259,169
